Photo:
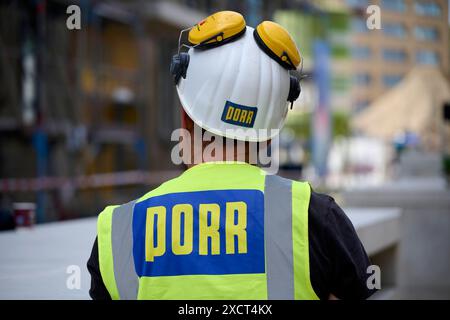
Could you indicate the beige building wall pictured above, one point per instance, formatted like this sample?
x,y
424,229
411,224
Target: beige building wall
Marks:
x,y
376,66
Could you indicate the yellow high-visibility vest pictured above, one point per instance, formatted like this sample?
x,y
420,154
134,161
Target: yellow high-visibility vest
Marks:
x,y
221,230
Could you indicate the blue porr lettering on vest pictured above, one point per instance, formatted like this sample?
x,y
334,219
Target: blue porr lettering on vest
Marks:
x,y
202,232
239,115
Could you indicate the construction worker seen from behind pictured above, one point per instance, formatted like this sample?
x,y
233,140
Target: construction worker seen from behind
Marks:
x,y
227,228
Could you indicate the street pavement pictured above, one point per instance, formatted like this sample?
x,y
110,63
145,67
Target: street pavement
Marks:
x,y
41,262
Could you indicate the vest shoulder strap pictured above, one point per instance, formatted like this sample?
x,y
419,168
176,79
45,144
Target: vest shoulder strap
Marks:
x,y
286,238
115,246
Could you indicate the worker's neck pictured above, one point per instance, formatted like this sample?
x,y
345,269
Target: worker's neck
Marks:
x,y
199,146
203,155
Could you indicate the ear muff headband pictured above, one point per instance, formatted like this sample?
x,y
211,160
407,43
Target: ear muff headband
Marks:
x,y
275,41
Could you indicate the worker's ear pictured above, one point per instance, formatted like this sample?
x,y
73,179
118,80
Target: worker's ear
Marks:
x,y
186,121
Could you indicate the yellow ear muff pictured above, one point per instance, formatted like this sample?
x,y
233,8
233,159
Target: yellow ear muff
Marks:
x,y
274,40
217,29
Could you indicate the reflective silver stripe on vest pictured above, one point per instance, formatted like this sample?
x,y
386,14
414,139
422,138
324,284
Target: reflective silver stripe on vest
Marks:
x,y
278,237
127,280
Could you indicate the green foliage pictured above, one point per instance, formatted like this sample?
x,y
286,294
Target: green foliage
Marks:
x,y
301,124
339,51
305,28
339,21
341,124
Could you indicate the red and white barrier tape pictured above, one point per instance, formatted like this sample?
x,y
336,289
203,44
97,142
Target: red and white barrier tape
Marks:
x,y
84,182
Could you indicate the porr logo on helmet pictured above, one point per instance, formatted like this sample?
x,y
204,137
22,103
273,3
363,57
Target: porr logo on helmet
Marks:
x,y
239,115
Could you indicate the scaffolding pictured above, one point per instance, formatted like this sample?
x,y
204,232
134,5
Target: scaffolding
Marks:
x,y
81,104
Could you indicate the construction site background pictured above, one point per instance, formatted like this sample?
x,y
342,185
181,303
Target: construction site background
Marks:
x,y
86,115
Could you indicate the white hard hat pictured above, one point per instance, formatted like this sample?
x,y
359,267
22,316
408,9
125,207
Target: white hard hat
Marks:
x,y
236,86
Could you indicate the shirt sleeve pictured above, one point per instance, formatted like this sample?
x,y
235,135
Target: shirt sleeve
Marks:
x,y
338,260
98,290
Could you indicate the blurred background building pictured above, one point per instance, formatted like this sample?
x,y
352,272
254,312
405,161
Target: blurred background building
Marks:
x,y
86,115
413,33
91,101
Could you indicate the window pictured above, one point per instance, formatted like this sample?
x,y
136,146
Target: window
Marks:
x,y
390,80
361,52
396,55
427,8
427,57
394,5
359,25
362,79
426,33
394,30
361,105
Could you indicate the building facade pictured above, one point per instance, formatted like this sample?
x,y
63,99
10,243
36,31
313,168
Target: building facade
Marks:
x,y
413,32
